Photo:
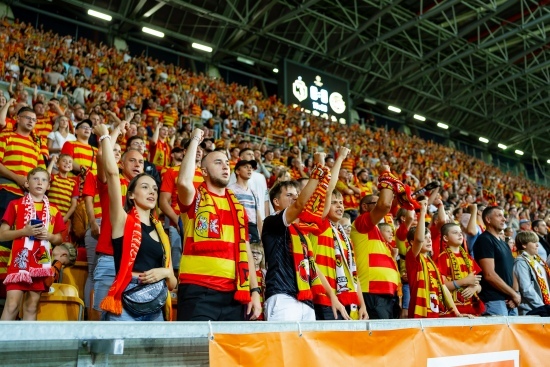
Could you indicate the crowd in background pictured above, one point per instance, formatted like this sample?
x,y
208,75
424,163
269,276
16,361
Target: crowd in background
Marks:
x,y
161,104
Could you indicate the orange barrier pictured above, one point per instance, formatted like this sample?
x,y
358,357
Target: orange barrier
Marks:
x,y
500,345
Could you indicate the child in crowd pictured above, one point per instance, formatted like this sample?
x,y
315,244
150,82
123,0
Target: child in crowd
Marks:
x,y
63,255
459,271
259,260
531,273
387,233
33,225
430,298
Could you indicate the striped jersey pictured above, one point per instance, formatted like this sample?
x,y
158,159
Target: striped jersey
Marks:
x,y
62,190
83,154
20,154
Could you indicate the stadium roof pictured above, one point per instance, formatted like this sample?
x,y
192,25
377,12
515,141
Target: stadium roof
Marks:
x,y
480,66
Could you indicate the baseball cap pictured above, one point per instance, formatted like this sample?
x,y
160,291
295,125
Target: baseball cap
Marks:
x,y
254,164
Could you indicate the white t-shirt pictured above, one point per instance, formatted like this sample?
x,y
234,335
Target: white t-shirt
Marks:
x,y
258,184
59,140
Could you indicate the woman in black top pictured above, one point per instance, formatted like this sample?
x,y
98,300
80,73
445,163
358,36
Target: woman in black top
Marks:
x,y
141,248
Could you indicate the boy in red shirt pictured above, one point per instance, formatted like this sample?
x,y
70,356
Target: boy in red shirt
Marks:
x,y
33,226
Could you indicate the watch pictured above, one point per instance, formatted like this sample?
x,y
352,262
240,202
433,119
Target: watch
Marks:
x,y
257,289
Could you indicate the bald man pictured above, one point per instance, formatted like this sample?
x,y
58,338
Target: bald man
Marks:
x,y
215,281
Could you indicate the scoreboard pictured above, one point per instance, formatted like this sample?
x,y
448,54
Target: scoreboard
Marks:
x,y
320,93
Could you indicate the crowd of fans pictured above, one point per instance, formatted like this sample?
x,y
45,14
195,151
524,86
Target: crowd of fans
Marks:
x,y
153,110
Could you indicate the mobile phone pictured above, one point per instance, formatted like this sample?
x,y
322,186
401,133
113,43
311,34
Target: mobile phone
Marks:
x,y
33,223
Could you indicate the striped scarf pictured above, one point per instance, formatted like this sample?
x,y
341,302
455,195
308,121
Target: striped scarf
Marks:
x,y
477,305
425,282
347,269
30,258
208,208
531,260
261,285
307,280
131,243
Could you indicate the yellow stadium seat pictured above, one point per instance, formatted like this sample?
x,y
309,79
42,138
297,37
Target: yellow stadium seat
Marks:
x,y
76,275
61,303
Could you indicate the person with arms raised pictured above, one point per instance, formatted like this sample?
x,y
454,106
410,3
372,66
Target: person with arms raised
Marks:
x,y
141,249
216,270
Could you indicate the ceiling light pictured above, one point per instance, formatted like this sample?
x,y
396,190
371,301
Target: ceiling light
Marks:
x,y
518,152
198,46
419,118
465,133
153,32
502,146
245,61
275,70
369,101
442,125
483,140
97,14
548,161
394,109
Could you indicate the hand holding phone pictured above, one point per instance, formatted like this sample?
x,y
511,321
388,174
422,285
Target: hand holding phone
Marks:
x,y
36,224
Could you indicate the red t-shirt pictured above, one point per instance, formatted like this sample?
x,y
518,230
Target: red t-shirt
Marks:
x,y
56,222
104,242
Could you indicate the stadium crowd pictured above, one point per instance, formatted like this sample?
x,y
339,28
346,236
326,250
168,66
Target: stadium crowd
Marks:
x,y
169,179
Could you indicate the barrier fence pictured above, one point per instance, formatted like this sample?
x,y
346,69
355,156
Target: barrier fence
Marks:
x,y
481,342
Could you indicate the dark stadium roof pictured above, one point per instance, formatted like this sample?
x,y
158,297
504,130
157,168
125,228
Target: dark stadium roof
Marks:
x,y
480,66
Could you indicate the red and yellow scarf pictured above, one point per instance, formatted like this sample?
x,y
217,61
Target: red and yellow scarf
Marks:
x,y
131,243
29,258
307,280
477,305
531,260
424,283
206,203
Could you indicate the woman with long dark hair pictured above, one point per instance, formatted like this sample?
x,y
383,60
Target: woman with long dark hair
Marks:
x,y
141,248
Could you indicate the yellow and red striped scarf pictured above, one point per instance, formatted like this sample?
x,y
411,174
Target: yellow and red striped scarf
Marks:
x,y
457,274
540,280
307,280
206,204
131,243
424,280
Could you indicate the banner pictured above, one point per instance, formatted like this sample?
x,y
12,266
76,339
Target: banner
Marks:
x,y
500,345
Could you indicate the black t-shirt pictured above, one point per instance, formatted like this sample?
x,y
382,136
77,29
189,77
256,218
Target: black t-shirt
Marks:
x,y
150,254
489,246
281,276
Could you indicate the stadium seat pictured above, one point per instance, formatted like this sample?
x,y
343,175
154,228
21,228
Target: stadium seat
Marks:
x,y
61,303
75,275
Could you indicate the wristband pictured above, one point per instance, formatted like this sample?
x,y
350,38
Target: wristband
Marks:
x,y
456,285
257,289
103,137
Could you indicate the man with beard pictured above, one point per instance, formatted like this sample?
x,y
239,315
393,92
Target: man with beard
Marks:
x,y
496,262
168,200
364,184
215,277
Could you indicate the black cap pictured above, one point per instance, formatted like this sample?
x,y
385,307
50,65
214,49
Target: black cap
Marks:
x,y
254,164
85,121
